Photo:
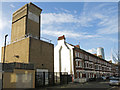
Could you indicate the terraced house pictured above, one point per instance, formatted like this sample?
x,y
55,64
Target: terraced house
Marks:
x,y
80,64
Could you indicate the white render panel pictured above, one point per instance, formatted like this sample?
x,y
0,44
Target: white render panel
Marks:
x,y
42,70
33,17
65,60
56,58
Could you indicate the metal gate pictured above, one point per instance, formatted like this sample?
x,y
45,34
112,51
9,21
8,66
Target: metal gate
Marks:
x,y
50,78
39,79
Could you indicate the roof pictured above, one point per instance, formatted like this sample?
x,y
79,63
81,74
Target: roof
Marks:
x,y
88,53
27,7
34,5
76,47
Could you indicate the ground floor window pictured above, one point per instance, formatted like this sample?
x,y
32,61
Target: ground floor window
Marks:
x,y
77,74
84,75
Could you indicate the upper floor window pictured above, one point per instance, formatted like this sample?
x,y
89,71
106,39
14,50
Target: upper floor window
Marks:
x,y
99,67
76,63
95,60
98,61
79,63
86,57
86,65
76,54
90,58
81,55
96,67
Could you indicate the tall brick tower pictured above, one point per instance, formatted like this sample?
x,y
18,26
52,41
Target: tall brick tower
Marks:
x,y
26,46
26,21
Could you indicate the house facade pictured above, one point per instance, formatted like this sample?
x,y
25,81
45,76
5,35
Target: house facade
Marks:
x,y
79,63
63,57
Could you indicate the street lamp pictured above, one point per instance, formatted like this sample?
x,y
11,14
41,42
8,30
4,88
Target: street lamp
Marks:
x,y
4,58
4,48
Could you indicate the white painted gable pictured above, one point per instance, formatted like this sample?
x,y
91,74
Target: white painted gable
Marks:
x,y
63,57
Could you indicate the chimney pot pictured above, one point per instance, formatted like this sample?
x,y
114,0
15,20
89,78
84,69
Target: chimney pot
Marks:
x,y
61,37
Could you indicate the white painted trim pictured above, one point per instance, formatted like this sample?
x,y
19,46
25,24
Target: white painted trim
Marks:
x,y
42,70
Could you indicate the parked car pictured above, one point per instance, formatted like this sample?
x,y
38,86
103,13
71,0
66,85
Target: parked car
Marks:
x,y
92,79
111,77
103,78
114,81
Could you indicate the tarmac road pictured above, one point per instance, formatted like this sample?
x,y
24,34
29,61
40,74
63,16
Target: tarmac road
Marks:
x,y
100,85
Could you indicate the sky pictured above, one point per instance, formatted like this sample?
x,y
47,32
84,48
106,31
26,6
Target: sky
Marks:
x,y
90,24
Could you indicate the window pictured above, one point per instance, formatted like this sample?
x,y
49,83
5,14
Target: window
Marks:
x,y
76,54
80,63
98,61
81,55
90,58
80,75
77,74
102,62
93,59
76,63
90,65
102,68
99,68
96,67
87,65
86,57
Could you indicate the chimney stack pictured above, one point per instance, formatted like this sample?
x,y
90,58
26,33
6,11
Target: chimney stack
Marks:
x,y
77,46
61,37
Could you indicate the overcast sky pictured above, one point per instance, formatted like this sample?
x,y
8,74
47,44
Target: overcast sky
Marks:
x,y
92,24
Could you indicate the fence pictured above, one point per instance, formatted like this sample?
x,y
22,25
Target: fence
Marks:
x,y
50,78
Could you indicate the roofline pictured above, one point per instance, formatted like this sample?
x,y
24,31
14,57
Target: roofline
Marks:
x,y
35,5
25,6
90,53
93,55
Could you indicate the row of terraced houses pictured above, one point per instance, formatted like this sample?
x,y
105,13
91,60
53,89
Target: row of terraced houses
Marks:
x,y
80,63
